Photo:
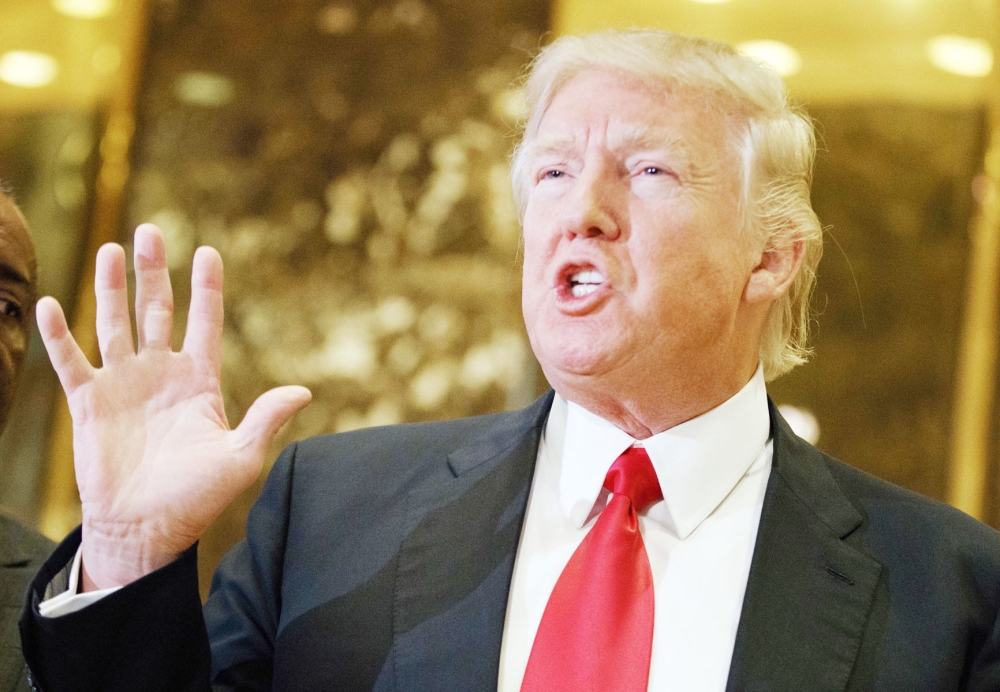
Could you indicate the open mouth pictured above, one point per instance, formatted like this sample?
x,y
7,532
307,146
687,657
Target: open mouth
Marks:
x,y
585,282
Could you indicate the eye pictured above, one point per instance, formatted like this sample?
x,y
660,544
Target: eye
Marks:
x,y
653,170
552,174
9,308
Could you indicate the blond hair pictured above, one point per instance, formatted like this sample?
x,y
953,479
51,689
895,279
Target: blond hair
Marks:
x,y
775,142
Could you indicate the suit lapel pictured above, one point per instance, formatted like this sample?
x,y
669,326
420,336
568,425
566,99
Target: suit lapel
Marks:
x,y
810,592
15,571
456,563
12,584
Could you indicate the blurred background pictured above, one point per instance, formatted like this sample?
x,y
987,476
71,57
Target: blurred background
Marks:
x,y
349,161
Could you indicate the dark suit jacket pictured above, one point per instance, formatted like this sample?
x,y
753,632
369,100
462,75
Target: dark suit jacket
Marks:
x,y
22,552
382,559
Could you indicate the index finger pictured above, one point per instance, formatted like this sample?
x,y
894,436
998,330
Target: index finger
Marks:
x,y
203,339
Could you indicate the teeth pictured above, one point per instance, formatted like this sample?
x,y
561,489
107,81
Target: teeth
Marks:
x,y
585,282
587,277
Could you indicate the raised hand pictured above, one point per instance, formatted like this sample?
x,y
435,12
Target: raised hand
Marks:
x,y
156,461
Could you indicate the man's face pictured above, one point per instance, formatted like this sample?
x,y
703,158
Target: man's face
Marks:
x,y
17,300
634,260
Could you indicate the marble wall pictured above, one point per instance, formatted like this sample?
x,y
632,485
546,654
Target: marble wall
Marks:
x,y
894,188
349,162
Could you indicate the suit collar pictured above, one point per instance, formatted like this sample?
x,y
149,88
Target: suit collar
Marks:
x,y
457,558
14,552
498,439
805,473
698,462
810,592
20,556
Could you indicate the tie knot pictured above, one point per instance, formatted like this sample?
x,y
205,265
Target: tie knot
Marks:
x,y
633,476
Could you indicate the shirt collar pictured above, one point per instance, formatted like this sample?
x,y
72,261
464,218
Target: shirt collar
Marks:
x,y
698,462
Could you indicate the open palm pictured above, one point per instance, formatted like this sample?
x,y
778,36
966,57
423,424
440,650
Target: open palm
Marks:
x,y
156,461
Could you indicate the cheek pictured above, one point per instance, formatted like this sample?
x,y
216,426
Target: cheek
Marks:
x,y
684,276
537,251
13,343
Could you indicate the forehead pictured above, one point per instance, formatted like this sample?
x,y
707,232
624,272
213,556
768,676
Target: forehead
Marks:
x,y
17,251
627,112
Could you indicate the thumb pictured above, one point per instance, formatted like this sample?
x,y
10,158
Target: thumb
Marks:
x,y
269,412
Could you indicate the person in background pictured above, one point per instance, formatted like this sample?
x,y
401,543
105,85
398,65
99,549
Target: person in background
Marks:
x,y
22,551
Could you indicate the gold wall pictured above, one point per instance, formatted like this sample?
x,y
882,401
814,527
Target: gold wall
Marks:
x,y
349,161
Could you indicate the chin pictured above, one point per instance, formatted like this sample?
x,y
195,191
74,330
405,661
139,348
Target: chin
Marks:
x,y
571,360
569,348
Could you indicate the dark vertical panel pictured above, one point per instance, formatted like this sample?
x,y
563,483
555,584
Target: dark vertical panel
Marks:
x,y
993,463
893,184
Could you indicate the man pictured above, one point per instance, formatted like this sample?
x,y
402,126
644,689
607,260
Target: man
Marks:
x,y
22,551
653,524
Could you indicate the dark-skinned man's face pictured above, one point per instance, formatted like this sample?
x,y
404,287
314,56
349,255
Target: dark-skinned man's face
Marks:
x,y
17,300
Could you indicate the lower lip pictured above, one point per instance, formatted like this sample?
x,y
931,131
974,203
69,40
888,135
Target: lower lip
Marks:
x,y
571,304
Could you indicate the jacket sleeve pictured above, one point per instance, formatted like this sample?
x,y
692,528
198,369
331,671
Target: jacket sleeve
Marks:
x,y
153,634
149,635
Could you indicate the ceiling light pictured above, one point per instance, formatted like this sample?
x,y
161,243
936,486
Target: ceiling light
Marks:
x,y
85,9
204,89
781,56
338,20
970,57
25,68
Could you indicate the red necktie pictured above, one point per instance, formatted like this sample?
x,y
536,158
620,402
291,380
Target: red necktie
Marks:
x,y
596,633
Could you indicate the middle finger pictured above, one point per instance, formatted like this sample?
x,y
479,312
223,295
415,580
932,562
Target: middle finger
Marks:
x,y
154,299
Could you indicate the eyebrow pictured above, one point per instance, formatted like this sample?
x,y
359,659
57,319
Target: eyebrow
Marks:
x,y
9,274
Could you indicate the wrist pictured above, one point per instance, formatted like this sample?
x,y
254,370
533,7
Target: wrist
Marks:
x,y
115,555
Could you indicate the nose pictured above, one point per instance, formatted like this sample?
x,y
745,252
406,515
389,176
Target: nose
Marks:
x,y
591,210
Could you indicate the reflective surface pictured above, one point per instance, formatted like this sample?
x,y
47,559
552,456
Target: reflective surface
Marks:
x,y
349,162
58,138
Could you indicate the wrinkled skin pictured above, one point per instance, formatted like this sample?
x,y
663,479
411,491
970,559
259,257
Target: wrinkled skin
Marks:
x,y
641,185
17,300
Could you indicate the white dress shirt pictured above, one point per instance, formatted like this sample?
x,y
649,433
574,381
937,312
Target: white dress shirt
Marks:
x,y
713,472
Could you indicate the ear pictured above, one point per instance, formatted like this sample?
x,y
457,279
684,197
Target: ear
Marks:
x,y
774,273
